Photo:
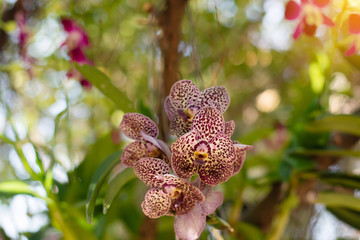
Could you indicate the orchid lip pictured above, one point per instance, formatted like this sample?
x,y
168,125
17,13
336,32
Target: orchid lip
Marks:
x,y
199,161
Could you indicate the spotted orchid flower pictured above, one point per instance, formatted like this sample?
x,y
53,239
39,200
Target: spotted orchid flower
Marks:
x,y
185,100
205,150
310,14
171,195
144,131
354,29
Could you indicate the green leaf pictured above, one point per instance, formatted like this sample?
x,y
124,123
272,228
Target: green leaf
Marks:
x,y
341,179
249,231
337,199
348,216
15,187
343,123
218,223
115,185
97,181
326,152
103,83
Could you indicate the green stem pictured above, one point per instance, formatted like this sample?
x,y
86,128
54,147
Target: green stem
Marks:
x,y
281,220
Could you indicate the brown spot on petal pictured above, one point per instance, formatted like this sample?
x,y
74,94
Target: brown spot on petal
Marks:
x,y
208,122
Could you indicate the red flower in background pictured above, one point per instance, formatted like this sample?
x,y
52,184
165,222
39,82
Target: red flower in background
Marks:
x,y
76,42
354,28
310,14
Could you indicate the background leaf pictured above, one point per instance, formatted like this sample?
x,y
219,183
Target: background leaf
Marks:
x,y
104,84
342,123
115,185
97,181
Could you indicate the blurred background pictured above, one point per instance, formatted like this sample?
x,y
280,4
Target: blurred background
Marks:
x,y
296,101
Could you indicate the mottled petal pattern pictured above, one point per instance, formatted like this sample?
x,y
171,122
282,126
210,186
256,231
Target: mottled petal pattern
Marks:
x,y
215,174
179,127
133,124
183,94
213,199
182,159
190,225
218,167
171,112
217,97
156,204
208,122
229,128
133,152
151,171
189,195
240,150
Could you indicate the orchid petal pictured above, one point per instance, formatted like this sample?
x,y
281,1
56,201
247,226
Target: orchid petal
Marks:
x,y
217,97
77,55
171,112
184,94
213,199
179,127
298,30
156,204
182,159
354,23
158,143
240,150
218,167
189,226
133,152
151,171
189,194
229,128
292,10
133,124
351,50
68,24
209,122
321,3
309,29
327,21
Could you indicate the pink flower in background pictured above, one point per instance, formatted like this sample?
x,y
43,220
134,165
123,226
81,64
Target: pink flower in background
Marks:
x,y
354,28
23,38
310,14
76,42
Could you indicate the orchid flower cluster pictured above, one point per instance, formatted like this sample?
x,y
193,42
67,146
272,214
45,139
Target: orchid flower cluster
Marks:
x,y
181,177
311,15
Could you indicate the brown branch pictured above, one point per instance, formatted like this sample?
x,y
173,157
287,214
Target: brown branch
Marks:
x,y
170,23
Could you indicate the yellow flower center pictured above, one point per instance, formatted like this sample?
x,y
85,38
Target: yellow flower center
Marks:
x,y
200,155
312,14
189,114
173,192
